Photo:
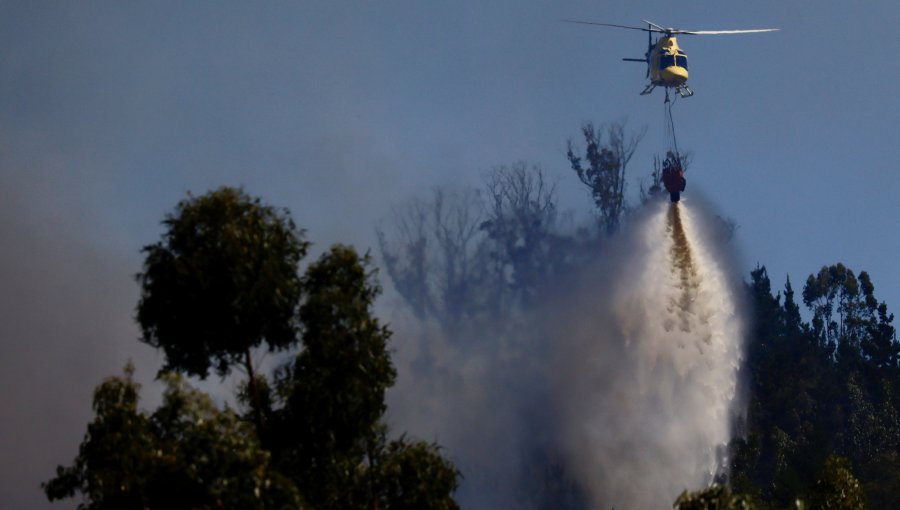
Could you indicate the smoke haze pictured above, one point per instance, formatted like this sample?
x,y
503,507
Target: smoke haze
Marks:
x,y
110,112
620,390
65,312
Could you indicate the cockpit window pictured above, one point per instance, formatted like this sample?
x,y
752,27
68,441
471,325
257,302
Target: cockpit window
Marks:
x,y
672,60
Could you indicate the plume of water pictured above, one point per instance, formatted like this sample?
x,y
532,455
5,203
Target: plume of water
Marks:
x,y
652,386
622,382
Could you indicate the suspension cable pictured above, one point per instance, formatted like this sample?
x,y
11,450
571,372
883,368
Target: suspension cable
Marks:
x,y
671,140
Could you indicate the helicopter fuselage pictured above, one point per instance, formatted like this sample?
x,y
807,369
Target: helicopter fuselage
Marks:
x,y
668,63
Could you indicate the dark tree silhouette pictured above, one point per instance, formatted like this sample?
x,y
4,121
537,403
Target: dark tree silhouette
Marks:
x,y
323,445
222,281
520,227
434,254
819,388
459,256
602,168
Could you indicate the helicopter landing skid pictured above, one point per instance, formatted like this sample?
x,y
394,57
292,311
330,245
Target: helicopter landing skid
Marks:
x,y
648,89
684,91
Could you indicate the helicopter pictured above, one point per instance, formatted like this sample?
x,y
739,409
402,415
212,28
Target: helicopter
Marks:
x,y
666,62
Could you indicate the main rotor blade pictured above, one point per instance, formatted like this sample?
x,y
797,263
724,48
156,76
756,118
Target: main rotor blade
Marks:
x,y
654,25
678,31
675,31
611,25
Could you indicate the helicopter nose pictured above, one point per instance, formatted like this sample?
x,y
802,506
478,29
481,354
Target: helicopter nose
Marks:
x,y
675,74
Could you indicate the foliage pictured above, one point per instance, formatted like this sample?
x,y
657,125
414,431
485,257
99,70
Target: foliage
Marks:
x,y
222,280
187,454
323,445
837,488
334,390
819,389
714,497
413,475
327,434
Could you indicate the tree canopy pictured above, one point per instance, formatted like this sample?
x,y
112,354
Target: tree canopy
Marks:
x,y
187,454
323,443
222,280
823,413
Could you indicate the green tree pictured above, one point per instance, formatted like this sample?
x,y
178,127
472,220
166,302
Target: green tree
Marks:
x,y
222,281
411,476
844,309
115,453
714,497
333,391
837,488
819,388
328,433
324,445
188,454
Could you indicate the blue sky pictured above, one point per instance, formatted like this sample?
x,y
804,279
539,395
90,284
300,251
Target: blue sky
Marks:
x,y
110,112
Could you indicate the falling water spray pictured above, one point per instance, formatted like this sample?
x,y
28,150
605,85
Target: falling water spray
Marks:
x,y
623,379
652,390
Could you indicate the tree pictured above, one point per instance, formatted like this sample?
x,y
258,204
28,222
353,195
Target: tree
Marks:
x,y
820,388
435,256
604,174
328,433
188,454
334,390
522,242
222,281
714,497
837,488
413,475
460,258
324,445
844,308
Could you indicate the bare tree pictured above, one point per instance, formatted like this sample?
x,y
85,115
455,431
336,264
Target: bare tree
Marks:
x,y
456,220
407,265
433,256
521,227
458,256
608,153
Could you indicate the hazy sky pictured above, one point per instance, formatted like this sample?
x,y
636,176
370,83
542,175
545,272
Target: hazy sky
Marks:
x,y
111,111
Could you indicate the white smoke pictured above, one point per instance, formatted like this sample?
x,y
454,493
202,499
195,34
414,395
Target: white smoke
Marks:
x,y
625,380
